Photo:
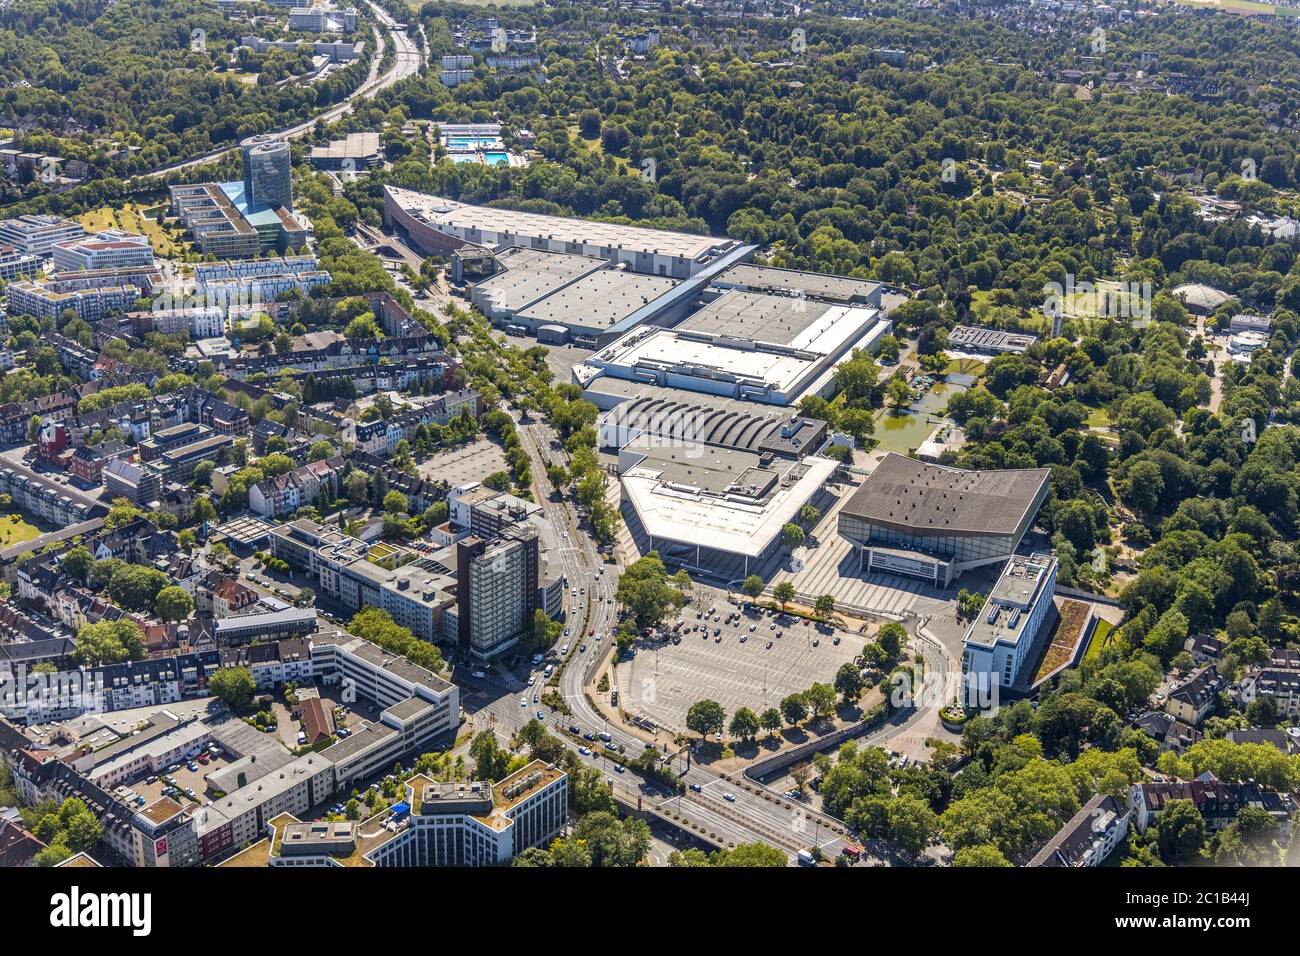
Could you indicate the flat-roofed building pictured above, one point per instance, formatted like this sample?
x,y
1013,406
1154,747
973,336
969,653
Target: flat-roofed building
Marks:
x,y
972,338
479,823
437,225
744,345
717,511
749,277
15,264
496,590
36,235
525,276
935,522
353,153
999,639
1250,323
109,249
43,300
590,307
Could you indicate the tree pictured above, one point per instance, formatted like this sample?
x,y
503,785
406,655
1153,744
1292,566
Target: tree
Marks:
x,y
770,720
644,589
136,587
792,536
890,638
848,682
784,592
491,761
752,586
395,503
794,709
898,393
825,604
356,486
77,562
706,717
204,510
319,451
911,823
744,724
234,686
751,855
121,512
821,700
809,516
982,854
174,604
1180,831
109,642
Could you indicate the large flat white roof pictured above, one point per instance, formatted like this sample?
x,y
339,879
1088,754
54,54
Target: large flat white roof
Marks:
x,y
438,211
747,336
685,500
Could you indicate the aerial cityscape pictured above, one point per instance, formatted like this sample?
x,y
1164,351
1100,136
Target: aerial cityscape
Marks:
x,y
652,433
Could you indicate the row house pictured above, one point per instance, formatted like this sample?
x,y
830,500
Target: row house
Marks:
x,y
1218,802
335,355
288,492
273,663
379,437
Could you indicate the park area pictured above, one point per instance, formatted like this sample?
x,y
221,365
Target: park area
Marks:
x,y
136,218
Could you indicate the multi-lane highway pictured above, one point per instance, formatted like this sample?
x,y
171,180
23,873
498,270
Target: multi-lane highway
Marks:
x,y
407,61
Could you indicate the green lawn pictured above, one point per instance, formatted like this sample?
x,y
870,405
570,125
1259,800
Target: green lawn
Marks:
x,y
1100,634
1099,418
965,366
15,530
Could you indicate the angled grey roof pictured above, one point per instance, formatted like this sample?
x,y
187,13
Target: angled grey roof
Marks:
x,y
916,497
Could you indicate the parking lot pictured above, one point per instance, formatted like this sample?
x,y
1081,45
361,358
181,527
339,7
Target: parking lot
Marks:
x,y
462,465
185,778
736,666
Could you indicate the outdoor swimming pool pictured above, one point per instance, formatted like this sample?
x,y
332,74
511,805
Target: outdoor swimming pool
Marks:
x,y
472,142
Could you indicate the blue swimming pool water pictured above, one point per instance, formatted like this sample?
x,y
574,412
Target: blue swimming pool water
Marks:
x,y
471,142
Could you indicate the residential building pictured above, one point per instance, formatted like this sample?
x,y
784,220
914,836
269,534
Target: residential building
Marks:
x,y
16,264
496,592
1194,699
1218,802
1090,836
286,493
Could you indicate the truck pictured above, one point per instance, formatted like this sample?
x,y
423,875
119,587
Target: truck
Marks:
x,y
805,858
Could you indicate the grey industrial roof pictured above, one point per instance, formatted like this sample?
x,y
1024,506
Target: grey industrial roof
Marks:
x,y
755,317
599,299
532,274
916,497
816,285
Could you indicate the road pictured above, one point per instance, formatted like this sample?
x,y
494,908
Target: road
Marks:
x,y
406,63
752,813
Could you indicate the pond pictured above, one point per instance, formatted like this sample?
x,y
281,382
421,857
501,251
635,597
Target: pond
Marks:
x,y
902,431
